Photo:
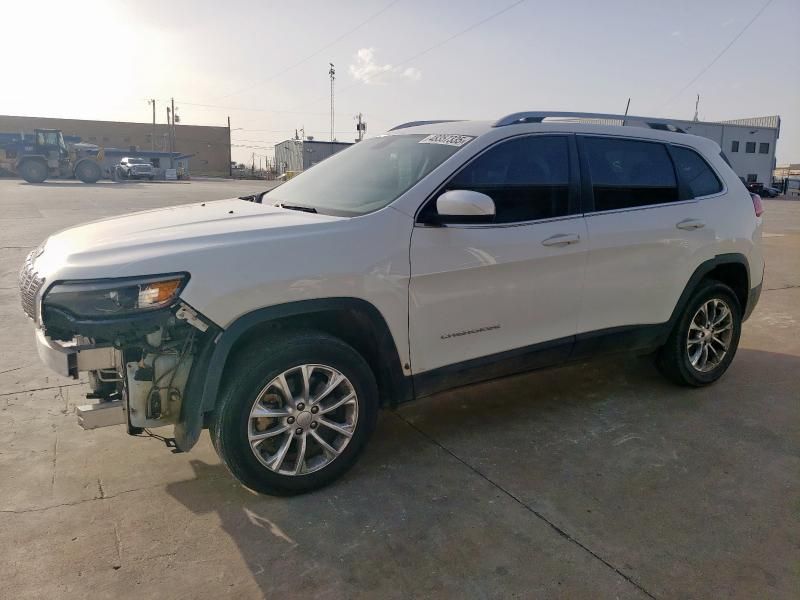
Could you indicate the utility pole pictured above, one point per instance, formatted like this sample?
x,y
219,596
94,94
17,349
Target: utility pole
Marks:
x,y
172,138
153,138
230,166
168,143
696,105
332,73
361,127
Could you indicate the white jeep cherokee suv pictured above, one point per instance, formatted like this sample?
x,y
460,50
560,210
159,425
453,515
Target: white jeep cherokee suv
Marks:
x,y
440,254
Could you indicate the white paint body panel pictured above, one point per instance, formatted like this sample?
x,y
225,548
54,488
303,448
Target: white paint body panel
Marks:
x,y
639,263
628,268
499,281
255,256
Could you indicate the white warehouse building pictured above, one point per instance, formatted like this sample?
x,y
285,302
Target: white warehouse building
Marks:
x,y
749,144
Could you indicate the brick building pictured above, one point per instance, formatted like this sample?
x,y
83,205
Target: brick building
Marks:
x,y
209,147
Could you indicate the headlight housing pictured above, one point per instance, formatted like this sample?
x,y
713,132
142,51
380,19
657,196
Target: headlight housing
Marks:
x,y
109,298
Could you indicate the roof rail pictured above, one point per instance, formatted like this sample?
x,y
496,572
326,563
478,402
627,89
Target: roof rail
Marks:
x,y
626,120
416,123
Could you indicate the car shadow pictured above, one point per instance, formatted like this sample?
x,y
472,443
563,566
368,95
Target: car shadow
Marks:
x,y
391,523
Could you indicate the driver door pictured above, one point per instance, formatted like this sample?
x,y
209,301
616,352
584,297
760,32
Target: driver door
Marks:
x,y
495,298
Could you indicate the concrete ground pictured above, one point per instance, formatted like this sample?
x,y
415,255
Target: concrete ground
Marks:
x,y
597,480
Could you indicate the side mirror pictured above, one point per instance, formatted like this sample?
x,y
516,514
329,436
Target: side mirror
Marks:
x,y
464,206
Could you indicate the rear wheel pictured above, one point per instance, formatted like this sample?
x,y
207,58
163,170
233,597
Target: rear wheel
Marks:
x,y
704,341
88,171
33,171
295,413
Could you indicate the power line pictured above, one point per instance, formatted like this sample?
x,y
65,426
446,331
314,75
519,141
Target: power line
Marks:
x,y
245,109
475,25
401,63
316,52
718,56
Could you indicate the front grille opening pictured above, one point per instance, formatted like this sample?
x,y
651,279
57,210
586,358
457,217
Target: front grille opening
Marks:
x,y
29,285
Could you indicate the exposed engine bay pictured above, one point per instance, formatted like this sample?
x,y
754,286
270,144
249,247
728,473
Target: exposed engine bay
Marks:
x,y
138,371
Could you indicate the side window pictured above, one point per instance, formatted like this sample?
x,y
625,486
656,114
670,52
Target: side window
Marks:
x,y
629,173
695,172
527,177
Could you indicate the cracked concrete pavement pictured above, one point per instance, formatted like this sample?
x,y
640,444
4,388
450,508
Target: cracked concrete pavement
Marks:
x,y
598,480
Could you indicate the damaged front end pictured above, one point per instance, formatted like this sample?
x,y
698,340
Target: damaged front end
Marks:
x,y
135,337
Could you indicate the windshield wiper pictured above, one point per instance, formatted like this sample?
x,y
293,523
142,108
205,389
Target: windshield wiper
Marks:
x,y
308,209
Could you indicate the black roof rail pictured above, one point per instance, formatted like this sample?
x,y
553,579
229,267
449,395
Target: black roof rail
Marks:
x,y
625,120
416,123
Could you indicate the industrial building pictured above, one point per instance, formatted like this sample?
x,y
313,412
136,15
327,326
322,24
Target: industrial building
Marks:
x,y
203,150
749,144
298,155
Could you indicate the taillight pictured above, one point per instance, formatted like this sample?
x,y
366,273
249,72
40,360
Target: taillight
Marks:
x,y
757,206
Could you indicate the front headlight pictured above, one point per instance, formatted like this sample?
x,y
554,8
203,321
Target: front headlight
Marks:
x,y
115,297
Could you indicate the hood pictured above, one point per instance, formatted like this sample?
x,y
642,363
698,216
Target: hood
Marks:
x,y
108,245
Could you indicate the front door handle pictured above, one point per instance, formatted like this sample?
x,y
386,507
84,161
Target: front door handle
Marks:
x,y
562,239
689,224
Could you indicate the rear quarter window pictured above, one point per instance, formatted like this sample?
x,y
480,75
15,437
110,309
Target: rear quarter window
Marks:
x,y
695,172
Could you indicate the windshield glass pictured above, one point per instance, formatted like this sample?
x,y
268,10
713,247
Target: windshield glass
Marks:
x,y
368,175
138,161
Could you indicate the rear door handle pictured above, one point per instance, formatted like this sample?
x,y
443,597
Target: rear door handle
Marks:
x,y
690,224
562,239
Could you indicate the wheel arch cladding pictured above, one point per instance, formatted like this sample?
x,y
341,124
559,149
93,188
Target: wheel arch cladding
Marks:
x,y
357,322
730,269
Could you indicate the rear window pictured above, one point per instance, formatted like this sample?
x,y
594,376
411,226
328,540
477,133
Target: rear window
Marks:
x,y
629,173
695,172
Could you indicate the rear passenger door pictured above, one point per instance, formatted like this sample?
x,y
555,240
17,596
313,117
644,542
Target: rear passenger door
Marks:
x,y
646,231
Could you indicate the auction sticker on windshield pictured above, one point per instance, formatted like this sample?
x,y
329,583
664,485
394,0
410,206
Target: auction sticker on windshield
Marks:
x,y
448,139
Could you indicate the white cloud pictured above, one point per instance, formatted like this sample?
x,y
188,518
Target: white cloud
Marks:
x,y
367,70
412,73
676,34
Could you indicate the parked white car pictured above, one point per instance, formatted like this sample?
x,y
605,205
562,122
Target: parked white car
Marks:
x,y
135,168
440,254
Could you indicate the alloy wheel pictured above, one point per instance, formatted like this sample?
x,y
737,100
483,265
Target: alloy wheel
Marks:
x,y
303,419
709,336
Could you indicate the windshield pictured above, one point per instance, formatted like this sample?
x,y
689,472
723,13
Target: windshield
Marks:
x,y
368,175
138,161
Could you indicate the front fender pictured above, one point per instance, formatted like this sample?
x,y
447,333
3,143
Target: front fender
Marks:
x,y
206,378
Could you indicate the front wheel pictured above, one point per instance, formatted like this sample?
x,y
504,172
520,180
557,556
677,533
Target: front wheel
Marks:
x,y
704,341
88,171
295,413
33,171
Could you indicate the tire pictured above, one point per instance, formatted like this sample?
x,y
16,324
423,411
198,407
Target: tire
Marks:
x,y
254,385
675,358
88,171
33,171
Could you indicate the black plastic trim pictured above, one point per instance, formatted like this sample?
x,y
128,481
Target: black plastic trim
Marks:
x,y
629,338
701,271
752,299
57,322
485,368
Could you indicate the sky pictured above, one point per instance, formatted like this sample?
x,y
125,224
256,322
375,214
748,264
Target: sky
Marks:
x,y
265,64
